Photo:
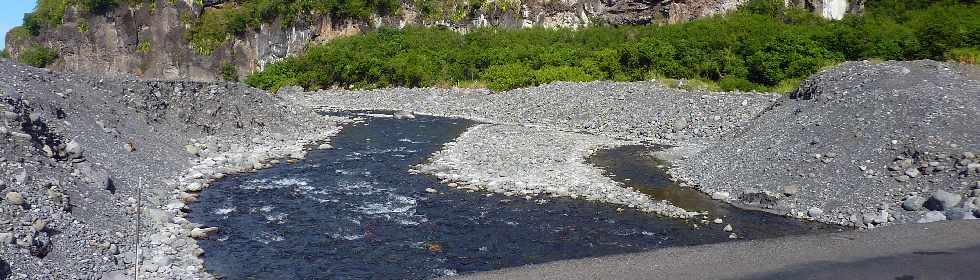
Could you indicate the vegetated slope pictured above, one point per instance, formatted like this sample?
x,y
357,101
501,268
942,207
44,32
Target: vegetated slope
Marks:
x,y
73,150
853,143
763,47
215,39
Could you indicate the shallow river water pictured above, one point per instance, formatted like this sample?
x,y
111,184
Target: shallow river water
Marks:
x,y
356,212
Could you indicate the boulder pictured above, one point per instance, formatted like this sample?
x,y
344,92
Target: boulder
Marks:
x,y
942,200
932,216
192,149
715,195
403,115
814,212
959,213
6,238
912,172
15,198
913,203
202,233
74,149
194,187
38,244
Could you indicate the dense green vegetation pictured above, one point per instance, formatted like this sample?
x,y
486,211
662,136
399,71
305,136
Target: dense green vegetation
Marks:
x,y
37,56
763,46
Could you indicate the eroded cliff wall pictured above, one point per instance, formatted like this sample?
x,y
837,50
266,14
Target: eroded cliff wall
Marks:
x,y
150,39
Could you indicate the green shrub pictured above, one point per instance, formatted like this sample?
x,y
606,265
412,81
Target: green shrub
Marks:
x,y
144,47
37,56
508,76
47,13
550,74
736,83
964,55
761,47
99,6
229,72
19,34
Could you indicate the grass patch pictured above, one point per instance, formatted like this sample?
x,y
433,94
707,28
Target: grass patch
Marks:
x,y
144,47
964,55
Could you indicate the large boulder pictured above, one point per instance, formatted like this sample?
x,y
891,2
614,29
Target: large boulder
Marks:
x,y
913,203
942,200
932,216
74,149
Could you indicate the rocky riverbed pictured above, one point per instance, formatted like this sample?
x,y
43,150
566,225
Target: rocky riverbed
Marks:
x,y
864,144
853,145
529,162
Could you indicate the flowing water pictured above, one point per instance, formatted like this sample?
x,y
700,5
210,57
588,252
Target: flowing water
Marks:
x,y
356,212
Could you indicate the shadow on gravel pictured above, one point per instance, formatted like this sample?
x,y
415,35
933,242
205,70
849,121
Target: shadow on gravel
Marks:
x,y
4,270
636,167
955,264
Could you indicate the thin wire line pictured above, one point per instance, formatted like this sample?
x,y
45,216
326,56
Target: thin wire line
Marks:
x,y
139,198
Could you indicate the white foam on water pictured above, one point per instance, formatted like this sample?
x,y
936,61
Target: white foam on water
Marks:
x,y
270,184
342,172
444,272
277,218
397,208
348,237
224,211
267,237
395,204
406,140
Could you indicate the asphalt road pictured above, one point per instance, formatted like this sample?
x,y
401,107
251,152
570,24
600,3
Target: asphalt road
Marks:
x,y
944,250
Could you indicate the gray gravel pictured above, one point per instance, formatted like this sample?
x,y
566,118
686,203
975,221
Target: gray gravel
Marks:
x,y
536,163
74,149
642,110
859,138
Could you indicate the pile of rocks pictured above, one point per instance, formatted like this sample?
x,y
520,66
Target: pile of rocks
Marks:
x,y
74,151
858,140
943,205
908,167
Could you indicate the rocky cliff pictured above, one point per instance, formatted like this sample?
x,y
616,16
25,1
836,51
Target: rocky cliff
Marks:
x,y
150,39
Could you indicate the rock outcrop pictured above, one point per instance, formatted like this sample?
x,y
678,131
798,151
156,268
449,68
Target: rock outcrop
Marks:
x,y
150,39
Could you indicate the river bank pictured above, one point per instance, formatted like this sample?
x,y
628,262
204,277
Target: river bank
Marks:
x,y
802,155
84,156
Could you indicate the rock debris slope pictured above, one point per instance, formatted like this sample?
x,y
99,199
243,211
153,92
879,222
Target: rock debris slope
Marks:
x,y
73,150
854,144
